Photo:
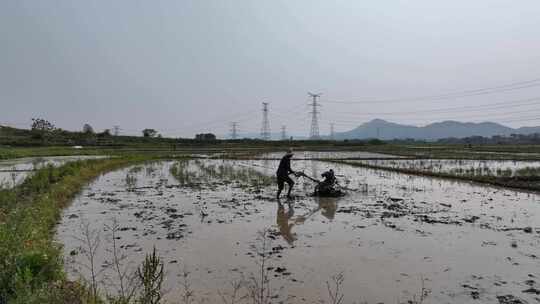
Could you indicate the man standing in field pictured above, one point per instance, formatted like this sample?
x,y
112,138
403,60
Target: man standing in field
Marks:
x,y
283,172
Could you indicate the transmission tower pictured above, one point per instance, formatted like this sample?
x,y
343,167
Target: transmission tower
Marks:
x,y
116,130
265,129
283,132
332,131
314,132
234,130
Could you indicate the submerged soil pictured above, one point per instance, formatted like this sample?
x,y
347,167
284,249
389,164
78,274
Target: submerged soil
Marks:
x,y
394,236
13,171
458,166
308,155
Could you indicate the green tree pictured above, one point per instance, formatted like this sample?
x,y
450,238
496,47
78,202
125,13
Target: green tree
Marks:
x,y
149,133
42,129
42,125
87,129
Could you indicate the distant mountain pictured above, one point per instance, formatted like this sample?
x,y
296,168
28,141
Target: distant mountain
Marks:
x,y
528,130
385,130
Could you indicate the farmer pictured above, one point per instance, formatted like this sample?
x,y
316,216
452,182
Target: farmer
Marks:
x,y
329,179
326,187
283,172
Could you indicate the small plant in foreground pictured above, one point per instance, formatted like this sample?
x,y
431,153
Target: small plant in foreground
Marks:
x,y
334,289
259,284
151,275
126,280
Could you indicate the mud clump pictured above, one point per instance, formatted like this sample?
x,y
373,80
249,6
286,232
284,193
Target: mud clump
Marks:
x,y
471,219
176,235
510,299
532,290
431,220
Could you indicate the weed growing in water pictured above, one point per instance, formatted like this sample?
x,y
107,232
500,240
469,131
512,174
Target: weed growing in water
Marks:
x,y
258,285
151,276
424,292
233,296
90,242
126,280
180,170
334,289
528,172
131,181
13,178
187,291
196,173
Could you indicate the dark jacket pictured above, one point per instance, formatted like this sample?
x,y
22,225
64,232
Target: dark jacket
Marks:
x,y
329,178
284,168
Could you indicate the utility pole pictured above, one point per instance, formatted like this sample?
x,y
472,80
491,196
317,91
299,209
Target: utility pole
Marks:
x,y
234,130
283,132
332,131
314,132
116,130
265,128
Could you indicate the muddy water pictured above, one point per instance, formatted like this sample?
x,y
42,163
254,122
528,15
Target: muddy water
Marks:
x,y
460,241
330,155
459,167
14,171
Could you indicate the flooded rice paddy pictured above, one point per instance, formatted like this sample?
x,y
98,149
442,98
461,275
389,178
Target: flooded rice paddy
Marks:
x,y
14,171
393,237
460,166
330,155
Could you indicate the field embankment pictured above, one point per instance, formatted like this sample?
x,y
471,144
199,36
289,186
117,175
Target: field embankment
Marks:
x,y
31,267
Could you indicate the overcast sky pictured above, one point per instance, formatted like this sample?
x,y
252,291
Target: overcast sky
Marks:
x,y
183,67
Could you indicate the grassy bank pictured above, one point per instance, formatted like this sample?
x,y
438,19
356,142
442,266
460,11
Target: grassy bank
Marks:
x,y
31,268
530,182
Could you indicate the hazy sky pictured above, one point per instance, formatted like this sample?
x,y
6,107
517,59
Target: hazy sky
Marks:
x,y
190,66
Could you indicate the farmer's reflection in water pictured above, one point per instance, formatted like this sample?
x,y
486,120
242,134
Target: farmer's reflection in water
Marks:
x,y
285,220
283,217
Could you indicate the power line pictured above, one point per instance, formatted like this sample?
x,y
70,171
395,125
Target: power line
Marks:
x,y
314,132
483,107
265,128
457,94
331,131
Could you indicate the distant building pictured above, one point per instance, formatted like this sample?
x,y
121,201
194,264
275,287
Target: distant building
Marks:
x,y
205,136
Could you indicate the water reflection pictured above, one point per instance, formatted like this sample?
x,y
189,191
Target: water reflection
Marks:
x,y
266,167
285,219
328,206
284,223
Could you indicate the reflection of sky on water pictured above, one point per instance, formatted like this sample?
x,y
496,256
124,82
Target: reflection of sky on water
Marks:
x,y
327,154
14,171
458,166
